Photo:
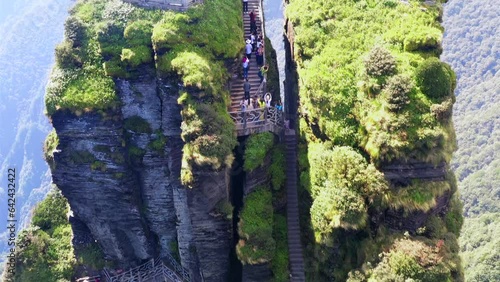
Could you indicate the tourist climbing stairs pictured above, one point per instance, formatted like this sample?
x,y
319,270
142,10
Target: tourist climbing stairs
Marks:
x,y
237,93
252,120
295,256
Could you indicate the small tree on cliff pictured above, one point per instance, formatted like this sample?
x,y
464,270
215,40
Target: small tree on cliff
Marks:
x,y
380,62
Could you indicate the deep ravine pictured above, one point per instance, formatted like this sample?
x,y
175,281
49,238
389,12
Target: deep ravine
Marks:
x,y
238,176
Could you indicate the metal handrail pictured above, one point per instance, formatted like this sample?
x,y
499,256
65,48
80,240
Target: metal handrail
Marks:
x,y
151,269
177,267
260,89
258,117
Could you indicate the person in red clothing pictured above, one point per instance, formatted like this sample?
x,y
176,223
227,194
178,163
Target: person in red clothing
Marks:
x,y
253,24
252,16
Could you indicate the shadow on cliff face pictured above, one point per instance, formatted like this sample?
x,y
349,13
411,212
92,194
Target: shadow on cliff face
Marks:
x,y
238,176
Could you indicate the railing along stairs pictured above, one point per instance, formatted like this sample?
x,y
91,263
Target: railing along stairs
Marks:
x,y
151,270
258,120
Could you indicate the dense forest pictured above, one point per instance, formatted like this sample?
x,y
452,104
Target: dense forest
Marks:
x,y
373,95
471,47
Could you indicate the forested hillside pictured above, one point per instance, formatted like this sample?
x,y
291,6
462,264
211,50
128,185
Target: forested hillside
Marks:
x,y
471,46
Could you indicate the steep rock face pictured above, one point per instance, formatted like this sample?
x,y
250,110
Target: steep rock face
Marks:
x,y
211,231
134,204
257,273
106,196
402,172
141,98
398,220
254,179
257,177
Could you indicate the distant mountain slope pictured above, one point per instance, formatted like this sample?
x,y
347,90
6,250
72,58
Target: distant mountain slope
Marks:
x,y
471,46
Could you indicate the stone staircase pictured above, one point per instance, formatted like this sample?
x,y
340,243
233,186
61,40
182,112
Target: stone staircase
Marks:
x,y
295,256
237,93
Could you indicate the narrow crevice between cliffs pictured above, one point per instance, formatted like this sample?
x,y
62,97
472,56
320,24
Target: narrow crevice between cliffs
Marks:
x,y
237,183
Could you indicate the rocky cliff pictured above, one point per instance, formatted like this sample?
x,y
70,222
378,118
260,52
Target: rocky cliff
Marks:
x,y
346,107
176,5
120,171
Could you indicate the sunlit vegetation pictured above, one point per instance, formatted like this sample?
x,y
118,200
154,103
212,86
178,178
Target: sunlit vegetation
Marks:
x,y
207,130
105,40
193,46
44,250
255,228
419,195
277,168
49,146
279,262
372,92
257,148
415,259
341,183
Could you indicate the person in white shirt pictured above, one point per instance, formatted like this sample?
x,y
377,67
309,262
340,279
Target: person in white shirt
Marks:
x,y
268,99
248,49
245,64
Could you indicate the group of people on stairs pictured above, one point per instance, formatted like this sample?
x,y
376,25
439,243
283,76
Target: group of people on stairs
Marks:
x,y
254,44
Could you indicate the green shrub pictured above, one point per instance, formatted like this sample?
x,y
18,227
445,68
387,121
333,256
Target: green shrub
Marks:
x,y
255,228
343,167
277,167
136,56
454,218
158,144
49,146
44,250
435,78
397,89
139,33
93,91
272,79
111,40
198,70
98,165
220,33
116,68
74,31
66,56
412,259
279,263
434,227
209,133
423,39
380,62
136,154
137,124
338,207
50,213
91,255
419,195
442,111
256,149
